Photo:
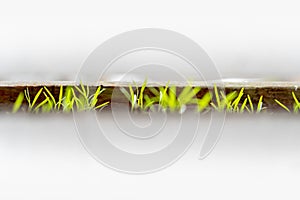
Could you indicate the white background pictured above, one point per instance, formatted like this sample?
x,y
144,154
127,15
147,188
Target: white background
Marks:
x,y
246,39
43,159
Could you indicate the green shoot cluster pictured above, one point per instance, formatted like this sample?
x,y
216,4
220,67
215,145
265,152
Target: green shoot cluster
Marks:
x,y
233,102
167,99
70,98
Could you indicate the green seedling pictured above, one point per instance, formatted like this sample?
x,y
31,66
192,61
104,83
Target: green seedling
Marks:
x,y
203,103
236,102
27,95
282,105
296,104
260,105
244,105
60,98
18,102
250,103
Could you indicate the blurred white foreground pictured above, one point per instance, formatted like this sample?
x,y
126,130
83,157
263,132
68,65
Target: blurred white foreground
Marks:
x,y
41,157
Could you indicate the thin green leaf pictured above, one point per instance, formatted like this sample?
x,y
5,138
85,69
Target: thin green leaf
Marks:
x,y
36,97
60,97
250,103
217,96
297,104
95,97
41,104
102,105
243,105
27,96
18,102
141,95
282,105
259,105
